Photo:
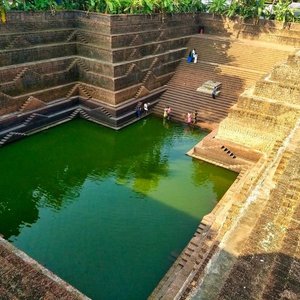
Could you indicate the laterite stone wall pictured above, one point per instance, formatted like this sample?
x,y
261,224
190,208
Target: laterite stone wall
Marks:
x,y
122,57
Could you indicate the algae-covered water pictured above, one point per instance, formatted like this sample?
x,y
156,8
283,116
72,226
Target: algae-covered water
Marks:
x,y
107,211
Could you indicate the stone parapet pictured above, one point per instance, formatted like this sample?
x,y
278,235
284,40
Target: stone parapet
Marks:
x,y
44,284
135,23
37,21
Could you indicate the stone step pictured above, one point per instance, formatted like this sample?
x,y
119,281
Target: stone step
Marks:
x,y
182,96
214,50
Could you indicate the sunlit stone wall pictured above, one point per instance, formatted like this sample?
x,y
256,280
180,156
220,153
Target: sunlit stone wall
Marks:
x,y
265,113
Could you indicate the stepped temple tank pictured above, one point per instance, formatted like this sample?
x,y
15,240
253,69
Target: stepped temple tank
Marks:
x,y
107,211
57,187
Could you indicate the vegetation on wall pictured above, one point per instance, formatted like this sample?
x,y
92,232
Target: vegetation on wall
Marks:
x,y
279,10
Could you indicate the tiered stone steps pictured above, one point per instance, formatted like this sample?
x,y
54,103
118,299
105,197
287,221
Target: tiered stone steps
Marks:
x,y
233,63
257,30
198,251
112,63
9,136
266,267
224,154
260,246
265,112
247,54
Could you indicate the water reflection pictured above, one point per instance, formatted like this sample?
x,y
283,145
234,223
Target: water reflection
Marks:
x,y
104,206
203,174
44,171
49,169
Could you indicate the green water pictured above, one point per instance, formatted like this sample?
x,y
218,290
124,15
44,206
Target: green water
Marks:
x,y
107,211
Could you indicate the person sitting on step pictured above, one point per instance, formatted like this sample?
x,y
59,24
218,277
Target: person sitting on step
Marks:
x,y
190,57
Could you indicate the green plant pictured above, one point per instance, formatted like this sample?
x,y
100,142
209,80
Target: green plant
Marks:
x,y
251,9
167,6
110,6
244,8
70,4
217,7
233,9
283,12
44,5
198,6
138,6
258,10
4,7
190,6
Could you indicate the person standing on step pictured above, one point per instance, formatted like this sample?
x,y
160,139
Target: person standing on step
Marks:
x,y
195,115
138,110
169,112
146,108
195,57
193,52
165,113
214,92
189,118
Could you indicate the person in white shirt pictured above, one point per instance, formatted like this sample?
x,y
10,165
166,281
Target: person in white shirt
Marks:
x,y
146,108
195,57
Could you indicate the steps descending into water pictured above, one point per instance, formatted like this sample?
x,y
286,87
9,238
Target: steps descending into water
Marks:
x,y
18,125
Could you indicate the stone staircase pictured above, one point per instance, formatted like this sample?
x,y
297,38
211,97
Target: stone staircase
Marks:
x,y
19,75
82,65
43,59
10,136
84,115
267,263
32,117
240,53
254,240
75,113
104,111
30,104
233,63
261,30
29,119
259,248
264,115
72,91
83,92
252,249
